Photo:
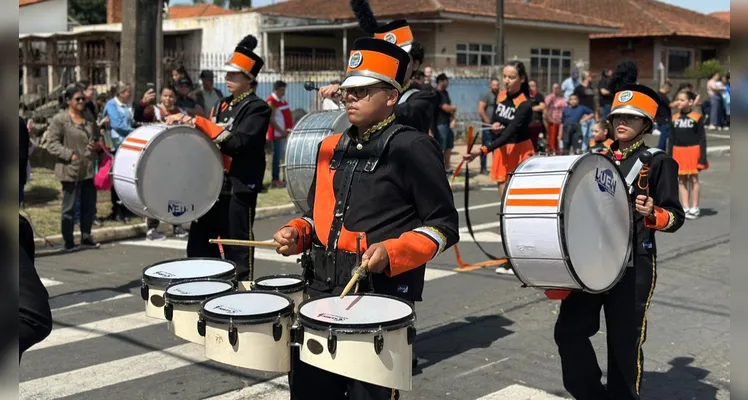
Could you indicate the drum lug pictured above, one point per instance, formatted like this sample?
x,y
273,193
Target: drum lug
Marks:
x,y
378,343
297,335
233,335
144,291
411,334
168,311
277,331
201,327
332,342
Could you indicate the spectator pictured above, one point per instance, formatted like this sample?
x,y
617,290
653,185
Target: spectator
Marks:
x,y
427,79
179,73
555,103
486,108
605,95
186,101
24,141
445,120
71,140
715,88
664,117
569,84
119,110
538,108
726,101
281,124
34,314
207,95
572,119
335,102
91,112
586,95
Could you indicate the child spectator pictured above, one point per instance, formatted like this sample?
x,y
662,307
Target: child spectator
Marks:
x,y
689,150
602,134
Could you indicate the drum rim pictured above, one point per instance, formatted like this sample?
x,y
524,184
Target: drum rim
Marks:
x,y
296,287
149,280
560,229
256,319
399,323
195,299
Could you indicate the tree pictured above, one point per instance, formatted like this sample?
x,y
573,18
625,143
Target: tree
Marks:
x,y
704,70
88,12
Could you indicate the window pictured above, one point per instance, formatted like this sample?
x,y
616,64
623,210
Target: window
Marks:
x,y
473,54
549,66
678,60
708,54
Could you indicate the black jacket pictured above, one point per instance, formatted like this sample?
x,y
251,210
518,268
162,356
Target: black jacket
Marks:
x,y
418,110
34,314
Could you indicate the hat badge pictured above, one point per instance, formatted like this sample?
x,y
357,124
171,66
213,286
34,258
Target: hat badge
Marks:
x,y
625,96
355,60
390,37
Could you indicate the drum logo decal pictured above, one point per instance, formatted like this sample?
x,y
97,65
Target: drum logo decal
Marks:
x,y
177,208
356,59
605,181
227,309
164,274
337,318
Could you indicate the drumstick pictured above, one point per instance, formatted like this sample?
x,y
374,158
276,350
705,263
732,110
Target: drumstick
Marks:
x,y
220,250
245,243
360,271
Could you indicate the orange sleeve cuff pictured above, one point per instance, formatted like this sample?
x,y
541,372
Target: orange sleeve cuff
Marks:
x,y
409,251
484,150
304,228
662,219
208,127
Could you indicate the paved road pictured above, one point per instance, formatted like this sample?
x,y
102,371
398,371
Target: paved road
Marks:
x,y
481,336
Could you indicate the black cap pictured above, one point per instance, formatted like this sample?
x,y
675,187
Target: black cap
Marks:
x,y
206,74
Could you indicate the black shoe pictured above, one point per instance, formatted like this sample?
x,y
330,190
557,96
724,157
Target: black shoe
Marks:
x,y
89,243
70,247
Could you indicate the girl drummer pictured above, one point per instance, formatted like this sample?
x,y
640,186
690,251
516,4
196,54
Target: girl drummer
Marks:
x,y
689,150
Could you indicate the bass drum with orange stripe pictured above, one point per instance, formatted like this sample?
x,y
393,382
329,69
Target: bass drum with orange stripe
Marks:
x,y
566,223
170,173
301,151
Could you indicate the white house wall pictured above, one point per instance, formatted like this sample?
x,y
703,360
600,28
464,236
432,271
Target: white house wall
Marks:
x,y
45,17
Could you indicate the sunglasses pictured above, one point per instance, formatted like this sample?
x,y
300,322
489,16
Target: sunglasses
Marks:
x,y
362,92
79,99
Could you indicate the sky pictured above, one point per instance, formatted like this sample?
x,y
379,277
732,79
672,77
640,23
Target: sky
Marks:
x,y
702,6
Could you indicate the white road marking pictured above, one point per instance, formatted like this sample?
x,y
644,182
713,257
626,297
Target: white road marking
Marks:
x,y
86,303
96,329
435,273
481,237
716,149
519,392
480,227
276,389
479,206
466,373
49,282
112,373
718,136
489,189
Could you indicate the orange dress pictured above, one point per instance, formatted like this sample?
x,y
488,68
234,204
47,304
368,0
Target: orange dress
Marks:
x,y
689,143
512,145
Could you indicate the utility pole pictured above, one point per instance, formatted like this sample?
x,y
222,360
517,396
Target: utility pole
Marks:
x,y
499,32
139,44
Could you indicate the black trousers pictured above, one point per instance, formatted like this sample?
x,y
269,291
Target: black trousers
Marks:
x,y
85,191
571,137
232,217
626,326
311,383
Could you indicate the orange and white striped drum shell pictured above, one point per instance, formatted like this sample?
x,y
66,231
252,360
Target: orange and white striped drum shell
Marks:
x,y
566,222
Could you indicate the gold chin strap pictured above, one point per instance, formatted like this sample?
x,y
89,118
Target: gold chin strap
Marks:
x,y
625,152
241,97
365,137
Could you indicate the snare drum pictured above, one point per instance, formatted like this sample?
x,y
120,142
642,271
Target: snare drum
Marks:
x,y
173,174
182,309
160,275
292,286
367,337
248,330
566,223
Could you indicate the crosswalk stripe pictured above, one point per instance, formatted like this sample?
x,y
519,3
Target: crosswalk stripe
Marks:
x,y
520,392
276,389
88,303
480,206
50,282
487,225
482,237
96,329
112,373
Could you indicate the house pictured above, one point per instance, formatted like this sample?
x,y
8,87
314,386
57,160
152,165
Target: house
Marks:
x,y
42,16
114,11
456,34
723,15
654,34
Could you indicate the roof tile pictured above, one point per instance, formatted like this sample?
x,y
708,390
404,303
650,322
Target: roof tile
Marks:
x,y
200,10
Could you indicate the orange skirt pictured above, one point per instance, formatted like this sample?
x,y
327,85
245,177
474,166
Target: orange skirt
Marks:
x,y
507,157
687,158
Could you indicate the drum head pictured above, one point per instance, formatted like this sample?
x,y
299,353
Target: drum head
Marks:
x,y
166,272
356,312
195,290
180,175
281,283
246,307
598,222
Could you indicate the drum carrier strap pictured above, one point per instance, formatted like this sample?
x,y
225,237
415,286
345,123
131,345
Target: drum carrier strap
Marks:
x,y
407,95
347,166
634,173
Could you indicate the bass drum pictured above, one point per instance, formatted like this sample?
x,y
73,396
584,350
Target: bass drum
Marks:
x,y
301,151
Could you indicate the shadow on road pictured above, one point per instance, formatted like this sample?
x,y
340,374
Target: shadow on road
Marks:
x,y
91,295
707,212
459,337
681,381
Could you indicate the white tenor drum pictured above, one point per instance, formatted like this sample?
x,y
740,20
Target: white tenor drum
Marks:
x,y
182,309
157,277
566,223
248,330
301,151
170,173
368,337
292,286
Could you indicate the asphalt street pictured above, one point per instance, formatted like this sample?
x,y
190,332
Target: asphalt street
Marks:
x,y
480,335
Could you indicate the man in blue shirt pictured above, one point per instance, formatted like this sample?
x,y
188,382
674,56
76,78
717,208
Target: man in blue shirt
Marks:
x,y
573,117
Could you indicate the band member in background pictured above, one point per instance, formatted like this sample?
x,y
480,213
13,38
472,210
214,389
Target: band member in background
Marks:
x,y
656,208
688,140
601,137
511,121
400,204
238,125
34,314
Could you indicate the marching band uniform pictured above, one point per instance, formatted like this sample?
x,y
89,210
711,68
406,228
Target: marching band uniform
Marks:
x,y
237,124
514,112
689,143
627,302
381,190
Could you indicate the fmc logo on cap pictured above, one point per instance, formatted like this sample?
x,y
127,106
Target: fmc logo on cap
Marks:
x,y
391,38
356,59
625,96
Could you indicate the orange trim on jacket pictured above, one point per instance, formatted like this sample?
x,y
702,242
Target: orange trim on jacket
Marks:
x,y
304,230
662,219
409,251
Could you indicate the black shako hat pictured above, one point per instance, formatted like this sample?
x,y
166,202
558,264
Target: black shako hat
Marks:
x,y
374,60
244,59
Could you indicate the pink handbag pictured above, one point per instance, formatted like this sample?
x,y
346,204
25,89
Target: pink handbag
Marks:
x,y
103,180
